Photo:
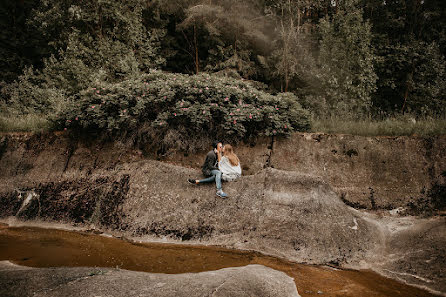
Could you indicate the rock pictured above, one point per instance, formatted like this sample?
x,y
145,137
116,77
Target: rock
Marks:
x,y
397,211
302,213
278,212
417,254
251,280
369,172
283,213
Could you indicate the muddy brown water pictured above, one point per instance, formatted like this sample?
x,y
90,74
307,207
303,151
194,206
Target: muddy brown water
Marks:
x,y
37,247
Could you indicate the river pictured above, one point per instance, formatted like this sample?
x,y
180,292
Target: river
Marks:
x,y
38,247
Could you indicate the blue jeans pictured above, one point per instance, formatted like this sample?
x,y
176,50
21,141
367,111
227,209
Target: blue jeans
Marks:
x,y
216,175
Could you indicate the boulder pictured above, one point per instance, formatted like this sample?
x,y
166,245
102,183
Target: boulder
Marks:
x,y
251,280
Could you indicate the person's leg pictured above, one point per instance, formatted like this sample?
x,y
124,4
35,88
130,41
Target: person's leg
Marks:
x,y
217,175
206,180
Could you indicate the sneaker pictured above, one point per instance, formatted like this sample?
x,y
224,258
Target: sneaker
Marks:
x,y
221,194
192,181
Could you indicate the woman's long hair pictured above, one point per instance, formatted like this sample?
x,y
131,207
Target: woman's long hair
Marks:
x,y
229,153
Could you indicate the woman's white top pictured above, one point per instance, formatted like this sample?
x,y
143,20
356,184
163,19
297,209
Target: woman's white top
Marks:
x,y
229,172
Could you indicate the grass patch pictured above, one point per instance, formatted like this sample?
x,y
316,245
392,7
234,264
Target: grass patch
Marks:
x,y
23,123
397,126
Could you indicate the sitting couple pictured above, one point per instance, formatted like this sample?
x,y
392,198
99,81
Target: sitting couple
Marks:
x,y
221,164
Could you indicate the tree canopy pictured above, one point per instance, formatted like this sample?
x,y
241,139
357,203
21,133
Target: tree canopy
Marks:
x,y
348,58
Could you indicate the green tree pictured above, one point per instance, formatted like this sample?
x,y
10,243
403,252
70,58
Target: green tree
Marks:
x,y
410,37
412,78
346,59
21,45
292,59
95,41
225,35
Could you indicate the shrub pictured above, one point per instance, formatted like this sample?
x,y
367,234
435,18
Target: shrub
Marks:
x,y
30,93
198,105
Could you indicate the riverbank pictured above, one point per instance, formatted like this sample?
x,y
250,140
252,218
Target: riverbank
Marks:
x,y
339,200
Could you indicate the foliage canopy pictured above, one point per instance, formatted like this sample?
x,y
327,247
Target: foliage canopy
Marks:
x,y
350,58
198,105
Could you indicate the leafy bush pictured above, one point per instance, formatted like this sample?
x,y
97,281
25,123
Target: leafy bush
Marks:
x,y
32,94
196,105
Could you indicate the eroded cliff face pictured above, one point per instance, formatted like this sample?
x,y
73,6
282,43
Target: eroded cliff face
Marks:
x,y
366,172
370,172
294,200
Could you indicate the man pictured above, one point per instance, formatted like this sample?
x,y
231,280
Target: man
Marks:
x,y
210,169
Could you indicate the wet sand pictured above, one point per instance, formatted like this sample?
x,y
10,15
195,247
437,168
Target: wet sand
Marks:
x,y
37,247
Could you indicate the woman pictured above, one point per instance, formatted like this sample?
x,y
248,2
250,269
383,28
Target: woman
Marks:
x,y
229,164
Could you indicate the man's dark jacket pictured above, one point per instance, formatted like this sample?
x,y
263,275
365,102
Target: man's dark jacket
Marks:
x,y
211,163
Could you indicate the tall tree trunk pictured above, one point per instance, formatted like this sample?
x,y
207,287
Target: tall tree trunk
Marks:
x,y
286,61
287,81
237,62
408,88
197,69
406,94
235,43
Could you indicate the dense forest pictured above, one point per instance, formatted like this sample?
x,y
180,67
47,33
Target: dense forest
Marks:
x,y
241,68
